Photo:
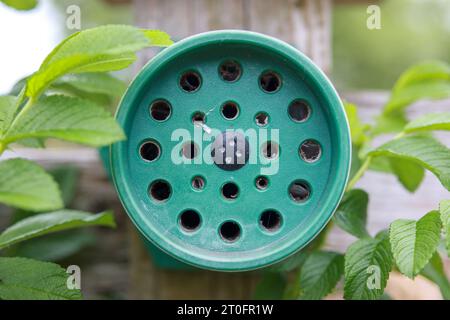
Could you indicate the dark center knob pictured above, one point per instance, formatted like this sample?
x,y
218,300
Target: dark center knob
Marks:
x,y
230,151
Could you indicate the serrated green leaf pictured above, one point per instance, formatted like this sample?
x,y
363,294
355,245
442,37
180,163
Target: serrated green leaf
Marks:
x,y
25,185
409,173
424,71
367,265
270,287
444,209
53,247
26,279
93,83
434,271
67,118
432,121
293,262
351,214
158,38
428,80
357,128
390,123
414,242
433,90
423,150
53,222
320,274
101,49
21,4
8,109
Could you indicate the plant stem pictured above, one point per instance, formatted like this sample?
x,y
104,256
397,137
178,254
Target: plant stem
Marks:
x,y
359,173
2,148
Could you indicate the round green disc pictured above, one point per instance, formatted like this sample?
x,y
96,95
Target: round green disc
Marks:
x,y
288,165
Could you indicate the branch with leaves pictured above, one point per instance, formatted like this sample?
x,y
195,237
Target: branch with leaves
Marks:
x,y
65,99
409,246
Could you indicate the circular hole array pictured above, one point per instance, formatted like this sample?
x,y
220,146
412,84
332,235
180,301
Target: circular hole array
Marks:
x,y
230,231
230,190
299,191
310,151
160,190
189,150
190,81
270,150
262,119
230,110
190,220
270,220
299,110
230,70
160,110
270,81
150,151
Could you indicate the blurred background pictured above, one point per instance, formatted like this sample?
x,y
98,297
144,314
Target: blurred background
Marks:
x,y
363,65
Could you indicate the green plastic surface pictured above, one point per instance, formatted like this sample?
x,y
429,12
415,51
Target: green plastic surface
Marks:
x,y
255,247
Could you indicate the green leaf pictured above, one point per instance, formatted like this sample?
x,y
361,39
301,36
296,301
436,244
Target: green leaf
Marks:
x,y
357,128
367,265
101,49
409,173
94,83
355,161
25,185
67,118
8,107
293,262
434,271
414,242
432,121
351,214
423,150
444,209
320,274
390,123
53,222
427,80
26,279
53,247
270,287
21,4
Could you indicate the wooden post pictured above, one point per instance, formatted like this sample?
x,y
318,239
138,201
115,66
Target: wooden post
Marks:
x,y
304,24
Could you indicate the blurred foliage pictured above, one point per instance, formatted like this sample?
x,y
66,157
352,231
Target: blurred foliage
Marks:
x,y
411,30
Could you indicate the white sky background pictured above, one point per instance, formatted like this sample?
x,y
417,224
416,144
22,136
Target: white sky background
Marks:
x,y
26,37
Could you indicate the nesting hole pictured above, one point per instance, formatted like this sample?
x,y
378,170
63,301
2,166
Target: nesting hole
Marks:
x,y
270,150
189,150
262,119
190,220
190,81
160,190
262,183
299,191
198,183
310,151
230,110
230,70
230,190
230,231
199,118
270,220
160,110
299,110
270,81
150,151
